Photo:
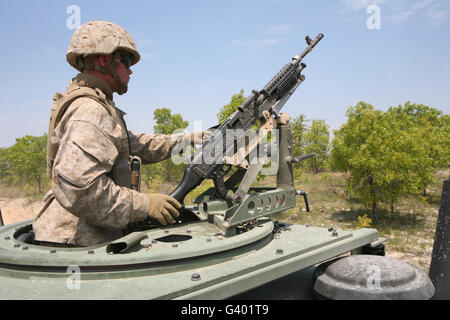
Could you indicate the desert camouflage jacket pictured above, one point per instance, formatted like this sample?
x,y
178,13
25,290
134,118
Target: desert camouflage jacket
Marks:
x,y
88,205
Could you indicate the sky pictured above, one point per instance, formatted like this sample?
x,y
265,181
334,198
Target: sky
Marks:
x,y
197,54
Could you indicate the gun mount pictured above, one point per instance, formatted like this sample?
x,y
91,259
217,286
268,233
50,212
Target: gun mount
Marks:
x,y
260,105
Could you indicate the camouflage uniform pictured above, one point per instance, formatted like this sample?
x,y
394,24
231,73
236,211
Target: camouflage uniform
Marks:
x,y
85,206
88,150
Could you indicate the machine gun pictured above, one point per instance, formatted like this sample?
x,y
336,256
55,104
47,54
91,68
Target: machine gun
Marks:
x,y
263,105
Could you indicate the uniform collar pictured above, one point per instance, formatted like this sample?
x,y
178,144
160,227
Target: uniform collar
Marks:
x,y
94,82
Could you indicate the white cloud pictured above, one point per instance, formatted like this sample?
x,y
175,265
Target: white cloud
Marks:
x,y
255,44
421,4
437,15
280,29
362,4
400,17
398,11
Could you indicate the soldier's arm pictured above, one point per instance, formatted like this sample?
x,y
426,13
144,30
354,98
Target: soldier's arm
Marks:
x,y
87,152
153,148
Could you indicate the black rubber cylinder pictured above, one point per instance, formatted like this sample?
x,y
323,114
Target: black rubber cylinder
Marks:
x,y
440,260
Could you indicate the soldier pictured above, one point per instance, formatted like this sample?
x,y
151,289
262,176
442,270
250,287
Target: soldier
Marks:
x,y
89,147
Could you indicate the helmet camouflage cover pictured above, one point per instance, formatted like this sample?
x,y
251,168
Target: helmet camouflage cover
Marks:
x,y
99,37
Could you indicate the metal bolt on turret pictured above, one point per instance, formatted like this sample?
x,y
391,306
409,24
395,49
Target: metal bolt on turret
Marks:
x,y
195,277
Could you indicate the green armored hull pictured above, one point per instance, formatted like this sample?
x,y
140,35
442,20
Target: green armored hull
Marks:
x,y
195,260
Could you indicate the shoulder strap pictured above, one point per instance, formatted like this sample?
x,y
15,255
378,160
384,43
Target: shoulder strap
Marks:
x,y
61,103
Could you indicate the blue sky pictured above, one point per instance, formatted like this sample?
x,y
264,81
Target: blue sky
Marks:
x,y
197,54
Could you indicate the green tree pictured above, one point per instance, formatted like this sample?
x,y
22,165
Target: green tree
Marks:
x,y
298,138
27,158
228,109
317,140
152,173
355,149
5,167
433,129
386,154
167,123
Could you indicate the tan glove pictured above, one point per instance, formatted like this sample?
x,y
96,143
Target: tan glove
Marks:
x,y
198,137
163,208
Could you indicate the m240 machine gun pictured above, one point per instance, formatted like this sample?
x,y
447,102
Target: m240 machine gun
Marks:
x,y
228,211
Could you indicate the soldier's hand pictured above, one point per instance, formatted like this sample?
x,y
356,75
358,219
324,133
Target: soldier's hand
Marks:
x,y
163,208
198,137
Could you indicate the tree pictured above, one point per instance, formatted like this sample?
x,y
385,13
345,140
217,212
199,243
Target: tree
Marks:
x,y
5,167
317,140
354,148
386,154
27,158
434,134
168,123
228,109
151,173
298,138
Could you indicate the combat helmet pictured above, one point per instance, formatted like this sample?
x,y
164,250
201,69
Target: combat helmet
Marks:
x,y
97,38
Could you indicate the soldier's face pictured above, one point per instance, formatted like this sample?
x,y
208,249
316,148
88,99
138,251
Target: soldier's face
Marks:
x,y
123,71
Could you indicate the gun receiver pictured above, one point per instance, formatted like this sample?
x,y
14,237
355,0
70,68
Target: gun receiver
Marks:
x,y
270,99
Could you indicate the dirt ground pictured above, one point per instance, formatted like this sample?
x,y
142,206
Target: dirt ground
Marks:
x,y
18,209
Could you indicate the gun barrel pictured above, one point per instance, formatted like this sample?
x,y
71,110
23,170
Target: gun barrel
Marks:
x,y
311,45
